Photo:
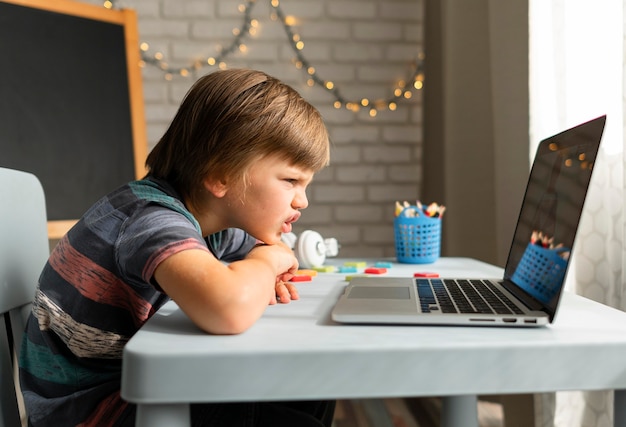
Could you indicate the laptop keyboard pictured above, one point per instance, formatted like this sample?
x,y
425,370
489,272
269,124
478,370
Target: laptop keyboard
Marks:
x,y
463,296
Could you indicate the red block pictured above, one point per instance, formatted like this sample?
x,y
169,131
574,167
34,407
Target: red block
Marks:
x,y
425,274
375,270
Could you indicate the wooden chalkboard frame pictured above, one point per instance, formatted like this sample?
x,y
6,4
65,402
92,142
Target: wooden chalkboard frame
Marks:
x,y
128,20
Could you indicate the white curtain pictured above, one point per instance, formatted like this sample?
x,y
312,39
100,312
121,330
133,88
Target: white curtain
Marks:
x,y
577,73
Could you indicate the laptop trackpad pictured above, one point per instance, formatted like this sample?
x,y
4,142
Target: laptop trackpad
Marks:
x,y
380,292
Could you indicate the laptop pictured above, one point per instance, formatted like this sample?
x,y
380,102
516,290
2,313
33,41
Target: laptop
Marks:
x,y
540,254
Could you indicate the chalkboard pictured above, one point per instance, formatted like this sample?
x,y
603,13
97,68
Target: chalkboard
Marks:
x,y
71,107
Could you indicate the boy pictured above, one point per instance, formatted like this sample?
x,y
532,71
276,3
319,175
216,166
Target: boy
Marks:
x,y
202,228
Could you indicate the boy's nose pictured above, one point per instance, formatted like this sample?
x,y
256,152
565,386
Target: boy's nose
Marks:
x,y
300,201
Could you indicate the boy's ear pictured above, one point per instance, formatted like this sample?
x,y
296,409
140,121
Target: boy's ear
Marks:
x,y
217,187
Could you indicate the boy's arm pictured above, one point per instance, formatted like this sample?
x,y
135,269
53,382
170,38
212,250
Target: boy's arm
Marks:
x,y
225,299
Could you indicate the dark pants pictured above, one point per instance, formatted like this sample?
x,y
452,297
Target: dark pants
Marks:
x,y
256,414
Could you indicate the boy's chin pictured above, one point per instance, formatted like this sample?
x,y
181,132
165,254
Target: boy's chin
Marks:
x,y
273,241
270,239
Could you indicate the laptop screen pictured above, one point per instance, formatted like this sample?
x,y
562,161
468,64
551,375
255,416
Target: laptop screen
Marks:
x,y
550,213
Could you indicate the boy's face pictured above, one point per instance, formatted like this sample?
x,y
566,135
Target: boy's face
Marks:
x,y
271,200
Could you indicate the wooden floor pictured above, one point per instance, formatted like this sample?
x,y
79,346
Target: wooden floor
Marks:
x,y
423,412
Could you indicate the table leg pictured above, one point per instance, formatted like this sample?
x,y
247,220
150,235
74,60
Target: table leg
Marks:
x,y
619,408
459,411
163,415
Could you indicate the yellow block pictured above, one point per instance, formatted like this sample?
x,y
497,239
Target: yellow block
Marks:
x,y
306,273
357,264
325,269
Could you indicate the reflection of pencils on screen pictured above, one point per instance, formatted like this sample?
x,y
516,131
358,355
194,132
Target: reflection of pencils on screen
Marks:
x,y
543,240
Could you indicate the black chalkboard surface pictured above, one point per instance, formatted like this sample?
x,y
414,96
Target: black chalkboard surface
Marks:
x,y
66,108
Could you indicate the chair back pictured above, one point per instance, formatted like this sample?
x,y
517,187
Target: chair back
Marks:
x,y
24,249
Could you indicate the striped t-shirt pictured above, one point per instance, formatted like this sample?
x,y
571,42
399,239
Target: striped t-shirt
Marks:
x,y
96,291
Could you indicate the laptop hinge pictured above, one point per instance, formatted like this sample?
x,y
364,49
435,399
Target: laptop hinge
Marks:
x,y
530,302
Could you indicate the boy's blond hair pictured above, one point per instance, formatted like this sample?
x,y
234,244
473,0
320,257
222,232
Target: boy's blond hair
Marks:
x,y
228,120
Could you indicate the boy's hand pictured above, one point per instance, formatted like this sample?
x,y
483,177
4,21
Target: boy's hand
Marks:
x,y
285,292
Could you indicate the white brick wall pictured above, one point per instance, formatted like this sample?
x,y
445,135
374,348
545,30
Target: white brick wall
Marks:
x,y
363,46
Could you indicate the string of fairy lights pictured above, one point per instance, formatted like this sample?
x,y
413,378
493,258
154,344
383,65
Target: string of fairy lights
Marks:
x,y
249,27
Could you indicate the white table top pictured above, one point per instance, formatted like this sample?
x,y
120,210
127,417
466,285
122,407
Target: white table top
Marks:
x,y
296,351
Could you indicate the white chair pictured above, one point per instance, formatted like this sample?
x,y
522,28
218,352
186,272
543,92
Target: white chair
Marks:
x,y
24,250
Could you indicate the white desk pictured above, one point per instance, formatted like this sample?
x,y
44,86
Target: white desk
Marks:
x,y
296,352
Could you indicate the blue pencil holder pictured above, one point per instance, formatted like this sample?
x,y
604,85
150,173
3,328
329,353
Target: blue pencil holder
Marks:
x,y
541,271
418,239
